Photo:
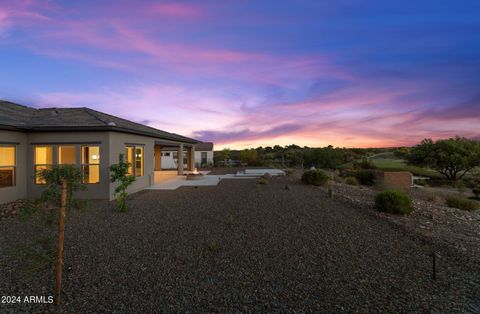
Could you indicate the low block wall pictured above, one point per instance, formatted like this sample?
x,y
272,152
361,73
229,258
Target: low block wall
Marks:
x,y
401,179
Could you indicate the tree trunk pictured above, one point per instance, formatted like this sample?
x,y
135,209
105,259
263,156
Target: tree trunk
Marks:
x,y
61,235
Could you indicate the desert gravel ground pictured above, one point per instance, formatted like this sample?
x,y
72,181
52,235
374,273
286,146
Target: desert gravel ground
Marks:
x,y
243,247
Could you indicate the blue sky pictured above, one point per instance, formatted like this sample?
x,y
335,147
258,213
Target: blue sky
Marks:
x,y
251,73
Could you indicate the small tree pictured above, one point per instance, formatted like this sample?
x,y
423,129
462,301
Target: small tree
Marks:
x,y
61,183
225,153
453,157
119,174
250,157
54,179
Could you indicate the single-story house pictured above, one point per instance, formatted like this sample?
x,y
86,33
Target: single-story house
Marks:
x,y
35,139
203,156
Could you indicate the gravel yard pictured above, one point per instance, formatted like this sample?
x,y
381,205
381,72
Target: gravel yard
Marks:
x,y
240,246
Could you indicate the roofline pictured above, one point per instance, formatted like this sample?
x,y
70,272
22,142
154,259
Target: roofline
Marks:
x,y
11,128
96,129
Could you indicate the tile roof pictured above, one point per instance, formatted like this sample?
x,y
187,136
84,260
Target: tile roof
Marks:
x,y
14,116
204,146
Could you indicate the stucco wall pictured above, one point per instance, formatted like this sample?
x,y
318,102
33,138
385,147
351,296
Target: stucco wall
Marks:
x,y
112,144
94,191
9,194
401,179
168,161
118,143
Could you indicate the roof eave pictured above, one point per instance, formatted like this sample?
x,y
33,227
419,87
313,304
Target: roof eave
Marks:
x,y
106,129
7,127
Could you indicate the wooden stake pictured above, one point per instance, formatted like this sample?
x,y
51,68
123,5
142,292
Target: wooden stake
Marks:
x,y
61,236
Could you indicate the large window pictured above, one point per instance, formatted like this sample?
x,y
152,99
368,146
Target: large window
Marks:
x,y
134,157
204,158
7,166
67,155
91,164
43,160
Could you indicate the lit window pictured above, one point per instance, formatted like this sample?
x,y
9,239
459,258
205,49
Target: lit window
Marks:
x,y
139,161
129,157
67,155
43,161
91,164
134,157
7,166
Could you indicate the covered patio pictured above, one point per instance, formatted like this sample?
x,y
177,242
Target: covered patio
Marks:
x,y
185,160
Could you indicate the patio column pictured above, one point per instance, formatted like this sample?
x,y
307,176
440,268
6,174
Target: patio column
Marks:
x,y
180,160
192,159
158,157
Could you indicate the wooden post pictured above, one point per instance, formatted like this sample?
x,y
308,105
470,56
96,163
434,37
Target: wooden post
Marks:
x,y
61,236
180,159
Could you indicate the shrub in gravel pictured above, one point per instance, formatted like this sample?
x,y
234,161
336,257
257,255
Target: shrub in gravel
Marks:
x,y
230,220
461,203
262,181
315,177
214,246
436,199
351,181
395,202
366,177
119,174
476,192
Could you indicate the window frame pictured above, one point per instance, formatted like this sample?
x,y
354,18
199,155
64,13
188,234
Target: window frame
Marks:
x,y
59,154
133,163
35,165
14,178
87,164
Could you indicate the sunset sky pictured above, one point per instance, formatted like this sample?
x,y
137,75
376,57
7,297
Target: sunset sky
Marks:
x,y
253,73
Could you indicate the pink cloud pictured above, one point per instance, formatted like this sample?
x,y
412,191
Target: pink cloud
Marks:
x,y
175,10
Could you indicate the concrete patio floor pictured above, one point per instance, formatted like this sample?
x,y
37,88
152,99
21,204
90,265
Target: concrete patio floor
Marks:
x,y
174,183
207,180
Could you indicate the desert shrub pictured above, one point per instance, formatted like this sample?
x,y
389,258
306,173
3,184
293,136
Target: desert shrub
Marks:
x,y
351,181
474,184
345,173
288,172
436,199
315,177
262,181
366,177
476,192
421,182
214,246
364,164
395,202
461,203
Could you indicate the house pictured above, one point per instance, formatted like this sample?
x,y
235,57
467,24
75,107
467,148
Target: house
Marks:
x,y
35,139
203,156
